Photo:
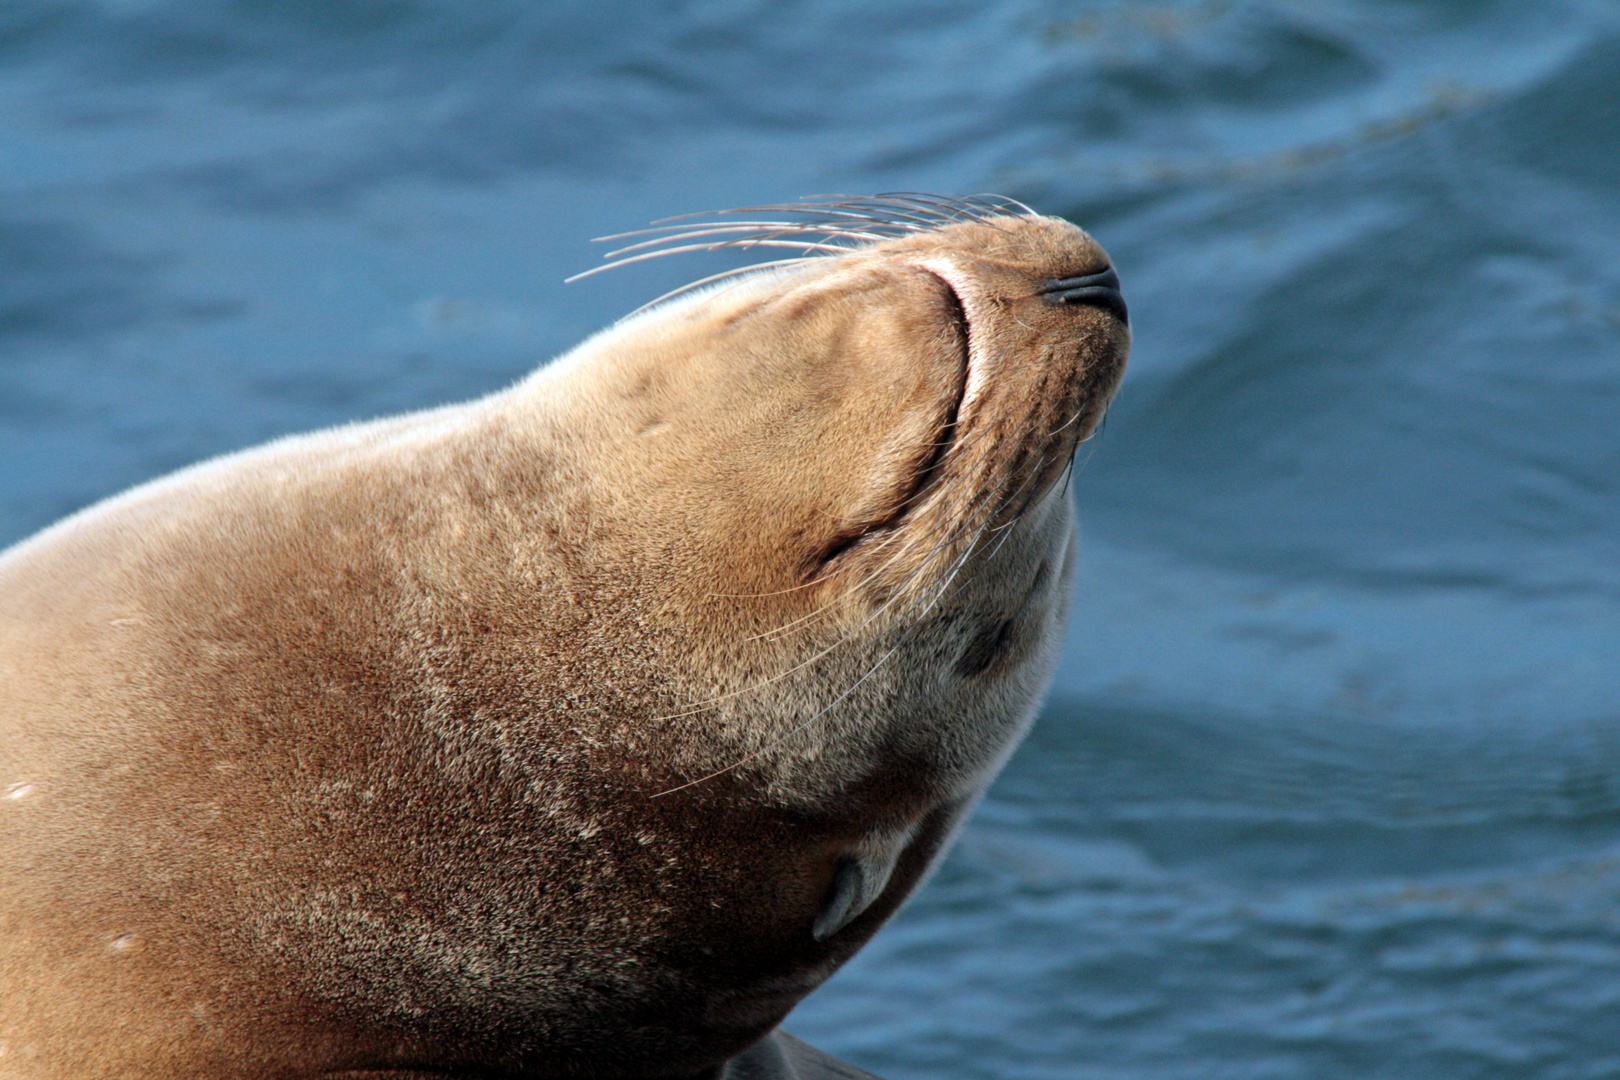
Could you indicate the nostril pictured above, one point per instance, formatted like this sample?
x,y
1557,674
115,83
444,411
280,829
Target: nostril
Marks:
x,y
1100,290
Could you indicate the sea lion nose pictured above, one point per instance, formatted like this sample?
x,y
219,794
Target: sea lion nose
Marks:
x,y
1100,289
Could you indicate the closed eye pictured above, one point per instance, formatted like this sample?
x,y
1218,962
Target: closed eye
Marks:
x,y
928,464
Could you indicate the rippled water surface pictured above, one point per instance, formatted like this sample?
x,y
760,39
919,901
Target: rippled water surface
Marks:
x,y
1330,782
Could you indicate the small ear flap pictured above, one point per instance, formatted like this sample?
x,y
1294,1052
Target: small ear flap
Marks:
x,y
862,875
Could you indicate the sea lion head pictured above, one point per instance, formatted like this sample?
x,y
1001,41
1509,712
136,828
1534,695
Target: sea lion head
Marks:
x,y
842,490
831,500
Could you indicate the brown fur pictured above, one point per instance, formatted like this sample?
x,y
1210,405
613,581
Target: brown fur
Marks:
x,y
526,737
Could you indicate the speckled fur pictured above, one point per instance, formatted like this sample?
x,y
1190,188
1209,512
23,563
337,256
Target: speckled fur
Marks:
x,y
375,749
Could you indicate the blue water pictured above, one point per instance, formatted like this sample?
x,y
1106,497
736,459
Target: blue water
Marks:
x,y
1329,785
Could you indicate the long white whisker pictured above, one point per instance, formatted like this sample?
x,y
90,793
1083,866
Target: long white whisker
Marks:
x,y
744,234
814,212
644,256
741,271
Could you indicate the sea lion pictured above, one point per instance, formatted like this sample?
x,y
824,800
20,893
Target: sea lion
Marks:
x,y
579,730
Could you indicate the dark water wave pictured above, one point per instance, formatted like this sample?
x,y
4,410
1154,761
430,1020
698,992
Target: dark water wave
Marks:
x,y
1133,764
1331,784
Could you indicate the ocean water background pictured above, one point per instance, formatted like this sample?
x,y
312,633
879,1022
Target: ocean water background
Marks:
x,y
1329,785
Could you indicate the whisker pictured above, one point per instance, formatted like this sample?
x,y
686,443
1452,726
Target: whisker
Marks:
x,y
949,210
645,255
879,209
999,204
748,271
812,210
747,236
